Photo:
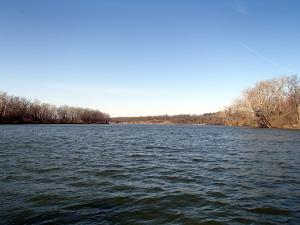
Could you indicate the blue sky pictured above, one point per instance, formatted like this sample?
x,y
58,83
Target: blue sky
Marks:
x,y
145,57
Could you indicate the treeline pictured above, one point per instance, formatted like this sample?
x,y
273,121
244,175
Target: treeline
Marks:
x,y
270,103
15,109
208,118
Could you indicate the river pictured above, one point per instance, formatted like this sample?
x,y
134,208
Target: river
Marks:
x,y
148,174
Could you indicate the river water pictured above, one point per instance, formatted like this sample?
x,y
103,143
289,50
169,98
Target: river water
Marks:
x,y
148,174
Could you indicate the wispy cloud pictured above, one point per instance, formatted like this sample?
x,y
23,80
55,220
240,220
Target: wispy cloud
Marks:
x,y
240,7
262,57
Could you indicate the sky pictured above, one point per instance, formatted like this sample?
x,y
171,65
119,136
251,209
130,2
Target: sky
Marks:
x,y
145,57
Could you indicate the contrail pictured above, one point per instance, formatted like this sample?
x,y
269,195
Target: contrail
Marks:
x,y
264,58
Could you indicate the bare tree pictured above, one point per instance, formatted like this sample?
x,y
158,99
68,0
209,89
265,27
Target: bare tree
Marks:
x,y
16,109
3,104
270,103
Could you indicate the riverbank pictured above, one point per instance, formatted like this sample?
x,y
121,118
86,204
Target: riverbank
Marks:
x,y
296,127
45,123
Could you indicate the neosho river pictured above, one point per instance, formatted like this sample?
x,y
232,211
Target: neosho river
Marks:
x,y
148,174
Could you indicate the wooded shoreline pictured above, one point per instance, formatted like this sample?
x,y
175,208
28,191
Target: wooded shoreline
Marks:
x,y
137,121
273,103
19,110
197,124
45,123
146,123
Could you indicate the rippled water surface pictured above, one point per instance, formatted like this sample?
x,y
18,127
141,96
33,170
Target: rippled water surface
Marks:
x,y
148,174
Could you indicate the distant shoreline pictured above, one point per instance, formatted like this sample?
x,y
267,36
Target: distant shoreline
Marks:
x,y
45,123
273,103
197,124
161,124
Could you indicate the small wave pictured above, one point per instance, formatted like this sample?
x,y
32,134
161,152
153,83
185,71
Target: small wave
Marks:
x,y
103,203
43,170
179,179
142,156
217,169
83,184
198,160
244,220
109,173
163,147
16,178
122,188
48,198
216,194
269,211
20,216
49,218
212,222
